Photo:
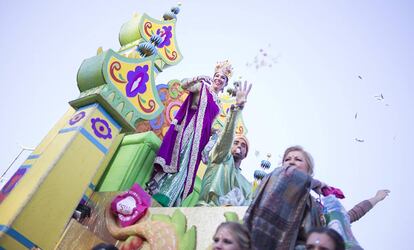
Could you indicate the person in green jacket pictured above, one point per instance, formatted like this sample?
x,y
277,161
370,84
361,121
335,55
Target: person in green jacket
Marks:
x,y
223,183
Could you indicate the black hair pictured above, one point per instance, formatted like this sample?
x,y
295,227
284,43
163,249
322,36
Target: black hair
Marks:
x,y
334,235
104,246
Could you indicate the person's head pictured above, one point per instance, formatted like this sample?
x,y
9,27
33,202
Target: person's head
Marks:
x,y
220,81
323,238
240,147
104,246
221,76
298,157
231,236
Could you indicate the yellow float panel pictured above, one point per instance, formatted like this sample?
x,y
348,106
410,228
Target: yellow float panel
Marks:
x,y
43,201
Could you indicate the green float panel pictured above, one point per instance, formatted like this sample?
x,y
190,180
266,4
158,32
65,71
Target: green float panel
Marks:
x,y
192,199
133,162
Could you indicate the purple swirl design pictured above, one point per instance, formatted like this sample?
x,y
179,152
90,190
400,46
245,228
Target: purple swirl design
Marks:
x,y
166,36
137,80
101,128
157,122
76,118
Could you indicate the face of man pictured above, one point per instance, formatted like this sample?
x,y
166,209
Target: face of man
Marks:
x,y
239,149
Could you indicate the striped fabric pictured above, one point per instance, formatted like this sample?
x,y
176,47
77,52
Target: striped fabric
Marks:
x,y
277,213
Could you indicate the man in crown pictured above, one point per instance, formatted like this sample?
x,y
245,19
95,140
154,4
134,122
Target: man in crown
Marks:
x,y
177,160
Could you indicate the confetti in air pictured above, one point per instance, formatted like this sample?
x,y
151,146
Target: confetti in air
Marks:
x,y
379,97
263,59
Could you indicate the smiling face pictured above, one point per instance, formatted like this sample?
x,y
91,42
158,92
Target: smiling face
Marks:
x,y
224,240
298,160
219,81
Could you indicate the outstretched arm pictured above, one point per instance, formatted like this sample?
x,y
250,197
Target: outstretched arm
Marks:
x,y
225,141
363,207
223,146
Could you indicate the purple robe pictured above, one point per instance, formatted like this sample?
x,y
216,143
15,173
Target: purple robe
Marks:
x,y
168,156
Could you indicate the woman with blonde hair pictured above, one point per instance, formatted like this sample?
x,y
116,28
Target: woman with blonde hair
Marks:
x,y
231,236
283,211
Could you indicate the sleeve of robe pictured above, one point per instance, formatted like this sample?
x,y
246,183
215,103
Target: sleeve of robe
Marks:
x,y
359,210
224,143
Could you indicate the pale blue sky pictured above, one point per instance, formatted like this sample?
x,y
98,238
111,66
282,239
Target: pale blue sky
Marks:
x,y
309,97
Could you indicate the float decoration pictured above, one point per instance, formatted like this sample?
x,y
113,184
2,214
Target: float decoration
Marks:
x,y
172,96
116,91
124,86
167,48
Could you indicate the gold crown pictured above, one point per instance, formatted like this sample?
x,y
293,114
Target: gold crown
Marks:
x,y
224,68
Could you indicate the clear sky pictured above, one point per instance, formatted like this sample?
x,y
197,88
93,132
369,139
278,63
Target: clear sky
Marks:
x,y
310,96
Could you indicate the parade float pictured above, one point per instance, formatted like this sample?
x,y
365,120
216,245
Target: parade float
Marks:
x,y
104,144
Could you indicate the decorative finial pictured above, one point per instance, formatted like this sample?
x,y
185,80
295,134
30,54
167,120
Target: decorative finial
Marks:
x,y
265,164
259,174
146,49
99,51
172,14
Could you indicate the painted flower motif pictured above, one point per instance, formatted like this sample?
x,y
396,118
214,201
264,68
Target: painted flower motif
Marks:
x,y
166,35
76,118
137,80
101,128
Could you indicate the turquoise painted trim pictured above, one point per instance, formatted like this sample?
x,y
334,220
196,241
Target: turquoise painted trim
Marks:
x,y
128,105
85,198
66,130
17,236
88,136
25,166
103,111
92,187
33,156
94,141
88,106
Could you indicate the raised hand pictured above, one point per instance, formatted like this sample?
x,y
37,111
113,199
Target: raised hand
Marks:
x,y
241,94
204,78
187,83
379,196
